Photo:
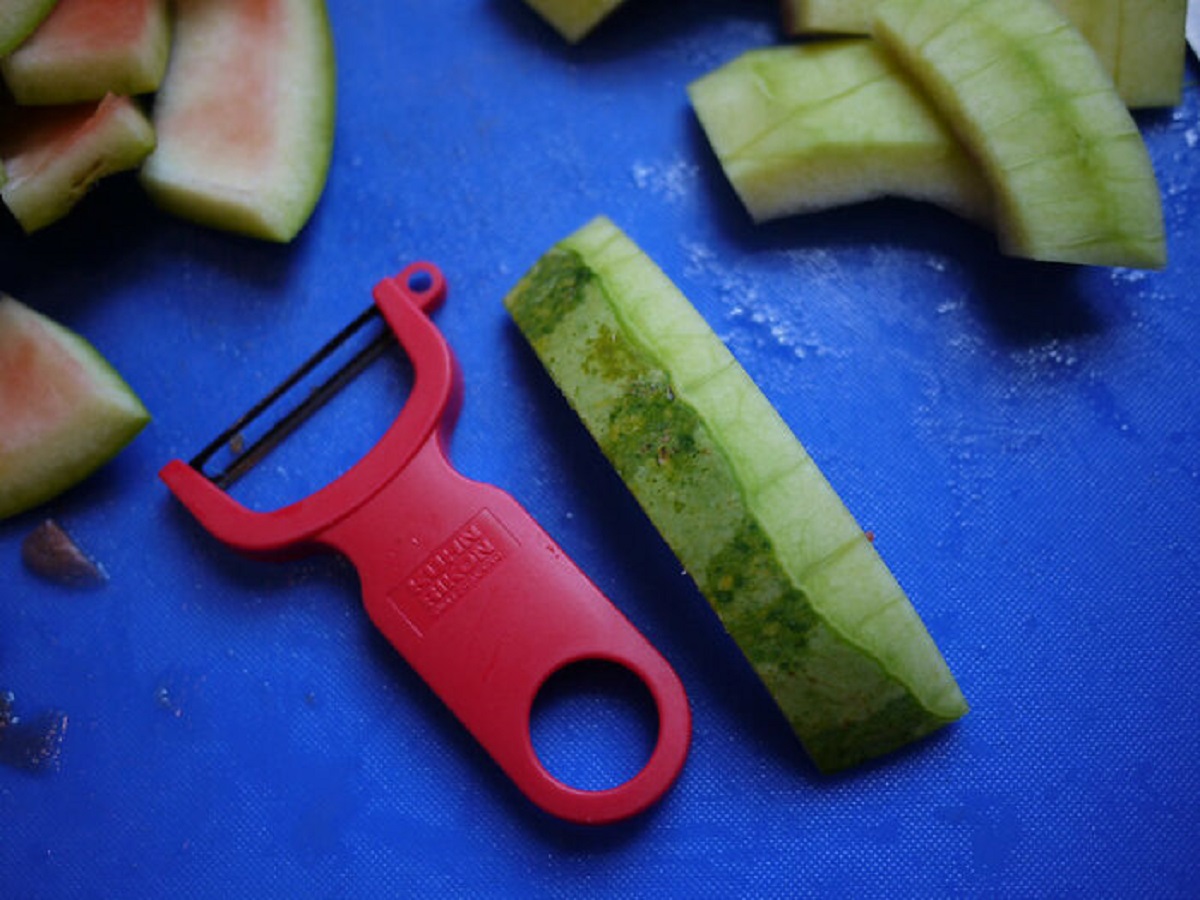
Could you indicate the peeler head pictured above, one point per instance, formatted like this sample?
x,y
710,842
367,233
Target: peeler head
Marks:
x,y
404,301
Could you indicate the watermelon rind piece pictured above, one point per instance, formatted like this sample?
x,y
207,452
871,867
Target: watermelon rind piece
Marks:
x,y
245,116
1140,43
18,19
574,19
65,410
1024,91
1150,65
810,126
794,579
55,154
802,17
86,49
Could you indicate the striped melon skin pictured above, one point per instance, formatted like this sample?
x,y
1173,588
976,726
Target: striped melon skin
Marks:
x,y
1026,94
574,19
65,410
795,581
811,126
245,116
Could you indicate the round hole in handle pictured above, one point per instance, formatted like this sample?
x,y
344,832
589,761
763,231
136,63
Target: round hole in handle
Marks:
x,y
594,725
420,281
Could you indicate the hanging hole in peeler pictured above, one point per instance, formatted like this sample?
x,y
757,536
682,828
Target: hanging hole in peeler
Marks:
x,y
420,281
594,725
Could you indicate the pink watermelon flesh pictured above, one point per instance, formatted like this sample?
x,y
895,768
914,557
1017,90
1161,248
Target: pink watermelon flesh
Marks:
x,y
245,114
54,154
65,410
85,49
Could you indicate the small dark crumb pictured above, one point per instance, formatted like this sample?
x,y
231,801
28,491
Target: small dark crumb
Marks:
x,y
50,552
34,746
237,444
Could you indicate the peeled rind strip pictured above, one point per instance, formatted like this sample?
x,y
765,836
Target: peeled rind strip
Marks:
x,y
794,579
1070,173
1139,42
826,16
811,126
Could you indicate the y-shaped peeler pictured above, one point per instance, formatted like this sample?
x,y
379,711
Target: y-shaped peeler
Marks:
x,y
456,574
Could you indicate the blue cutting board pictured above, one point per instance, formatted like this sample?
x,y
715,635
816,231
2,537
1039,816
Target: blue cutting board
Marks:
x,y
1021,438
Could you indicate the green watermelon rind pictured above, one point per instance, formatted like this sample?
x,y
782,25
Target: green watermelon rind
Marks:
x,y
18,19
116,138
574,19
39,78
277,203
791,575
102,423
1025,92
809,126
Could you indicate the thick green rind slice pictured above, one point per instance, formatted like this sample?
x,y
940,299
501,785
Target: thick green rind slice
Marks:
x,y
84,50
811,126
574,19
55,154
1071,175
65,410
245,116
793,578
18,19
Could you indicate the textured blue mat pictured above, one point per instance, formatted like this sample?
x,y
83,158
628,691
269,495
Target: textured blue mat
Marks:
x,y
1021,438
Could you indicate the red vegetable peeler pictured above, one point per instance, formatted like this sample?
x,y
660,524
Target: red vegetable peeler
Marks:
x,y
455,573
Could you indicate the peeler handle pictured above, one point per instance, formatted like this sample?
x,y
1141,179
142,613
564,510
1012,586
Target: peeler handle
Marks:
x,y
486,607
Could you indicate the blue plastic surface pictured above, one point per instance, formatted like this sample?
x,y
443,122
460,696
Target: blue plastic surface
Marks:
x,y
1021,438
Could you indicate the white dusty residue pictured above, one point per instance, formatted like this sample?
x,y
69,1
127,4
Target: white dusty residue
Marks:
x,y
671,180
753,319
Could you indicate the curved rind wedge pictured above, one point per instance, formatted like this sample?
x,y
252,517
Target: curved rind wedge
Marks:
x,y
245,116
574,19
794,579
65,410
811,126
55,154
84,50
1070,173
18,19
